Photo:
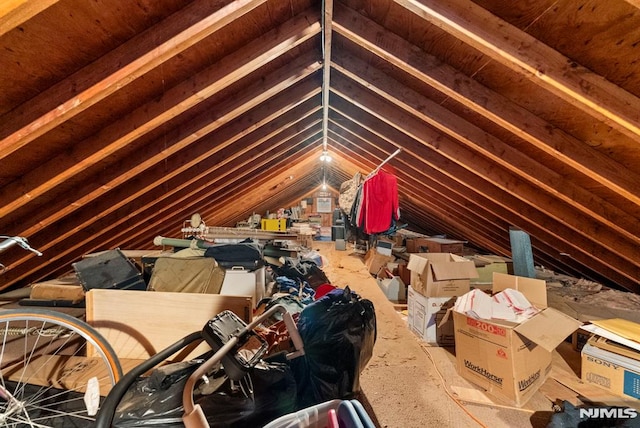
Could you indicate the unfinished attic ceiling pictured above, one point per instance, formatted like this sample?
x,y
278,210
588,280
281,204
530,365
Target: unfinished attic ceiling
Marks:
x,y
121,118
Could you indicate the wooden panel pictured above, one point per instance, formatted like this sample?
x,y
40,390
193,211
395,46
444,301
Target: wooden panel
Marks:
x,y
138,324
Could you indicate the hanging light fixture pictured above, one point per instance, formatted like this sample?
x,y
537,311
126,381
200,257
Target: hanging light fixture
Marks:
x,y
325,156
324,177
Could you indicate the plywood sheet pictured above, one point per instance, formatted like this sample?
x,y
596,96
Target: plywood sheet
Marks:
x,y
138,324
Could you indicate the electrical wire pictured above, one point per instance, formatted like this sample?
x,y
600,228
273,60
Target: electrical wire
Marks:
x,y
446,390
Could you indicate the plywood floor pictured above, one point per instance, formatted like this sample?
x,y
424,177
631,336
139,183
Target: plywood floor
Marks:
x,y
410,384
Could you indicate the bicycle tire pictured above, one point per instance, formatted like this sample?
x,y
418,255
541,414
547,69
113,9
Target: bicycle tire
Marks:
x,y
47,376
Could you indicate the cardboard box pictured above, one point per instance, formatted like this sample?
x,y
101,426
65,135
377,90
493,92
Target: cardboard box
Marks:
x,y
442,245
375,261
487,264
509,360
440,274
425,315
416,245
404,273
611,366
398,240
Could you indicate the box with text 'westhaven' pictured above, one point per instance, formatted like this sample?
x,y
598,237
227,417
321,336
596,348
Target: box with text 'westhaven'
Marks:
x,y
511,360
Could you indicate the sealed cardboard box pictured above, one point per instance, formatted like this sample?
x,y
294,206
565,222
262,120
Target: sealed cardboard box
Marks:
x,y
410,245
440,274
425,315
611,366
511,360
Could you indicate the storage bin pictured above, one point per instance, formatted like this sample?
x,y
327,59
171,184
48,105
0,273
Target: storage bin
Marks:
x,y
350,413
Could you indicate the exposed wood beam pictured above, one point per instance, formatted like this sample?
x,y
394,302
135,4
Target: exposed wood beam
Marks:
x,y
327,30
483,181
420,184
469,223
147,227
536,173
219,208
416,187
266,90
15,12
150,116
438,190
256,197
221,193
212,200
534,60
147,60
488,104
191,132
150,204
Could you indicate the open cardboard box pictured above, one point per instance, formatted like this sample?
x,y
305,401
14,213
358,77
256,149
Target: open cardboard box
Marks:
x,y
440,274
376,261
611,358
424,316
510,360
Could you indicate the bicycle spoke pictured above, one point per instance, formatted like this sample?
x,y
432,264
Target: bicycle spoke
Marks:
x,y
45,369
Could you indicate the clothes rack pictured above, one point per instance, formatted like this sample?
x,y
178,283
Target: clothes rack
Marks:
x,y
391,156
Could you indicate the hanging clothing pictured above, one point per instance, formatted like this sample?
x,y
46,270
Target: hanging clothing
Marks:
x,y
379,205
348,191
354,215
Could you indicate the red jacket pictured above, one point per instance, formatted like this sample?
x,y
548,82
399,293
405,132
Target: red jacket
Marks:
x,y
379,203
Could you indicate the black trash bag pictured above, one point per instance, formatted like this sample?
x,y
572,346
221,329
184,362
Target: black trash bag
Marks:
x,y
338,332
306,270
268,392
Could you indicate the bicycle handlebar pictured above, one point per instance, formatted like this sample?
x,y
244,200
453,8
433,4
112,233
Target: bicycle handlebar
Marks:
x,y
10,241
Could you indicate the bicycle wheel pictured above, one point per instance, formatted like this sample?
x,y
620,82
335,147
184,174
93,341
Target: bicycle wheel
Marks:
x,y
55,369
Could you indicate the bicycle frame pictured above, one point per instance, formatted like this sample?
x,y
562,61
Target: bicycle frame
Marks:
x,y
193,416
